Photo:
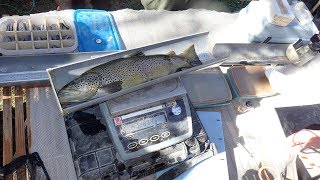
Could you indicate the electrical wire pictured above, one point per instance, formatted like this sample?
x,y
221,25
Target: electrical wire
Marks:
x,y
265,169
301,143
21,11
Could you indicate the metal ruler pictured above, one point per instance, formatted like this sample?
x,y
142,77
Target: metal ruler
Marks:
x,y
252,53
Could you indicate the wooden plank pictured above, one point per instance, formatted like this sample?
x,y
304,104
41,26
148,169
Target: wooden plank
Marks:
x,y
19,130
7,128
28,118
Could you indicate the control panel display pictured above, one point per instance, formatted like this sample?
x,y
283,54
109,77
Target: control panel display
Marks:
x,y
144,122
152,128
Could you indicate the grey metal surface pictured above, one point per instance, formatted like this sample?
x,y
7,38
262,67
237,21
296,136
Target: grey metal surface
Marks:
x,y
28,70
207,87
253,53
62,75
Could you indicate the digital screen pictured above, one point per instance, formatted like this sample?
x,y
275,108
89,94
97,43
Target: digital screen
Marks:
x,y
144,122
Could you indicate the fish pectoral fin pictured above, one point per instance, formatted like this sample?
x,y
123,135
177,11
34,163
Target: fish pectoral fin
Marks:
x,y
113,87
181,69
191,56
134,80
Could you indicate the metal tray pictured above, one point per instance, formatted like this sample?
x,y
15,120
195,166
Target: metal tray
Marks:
x,y
60,76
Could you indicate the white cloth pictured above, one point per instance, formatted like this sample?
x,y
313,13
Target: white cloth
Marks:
x,y
140,28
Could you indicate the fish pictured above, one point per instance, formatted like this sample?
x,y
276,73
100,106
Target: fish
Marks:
x,y
125,72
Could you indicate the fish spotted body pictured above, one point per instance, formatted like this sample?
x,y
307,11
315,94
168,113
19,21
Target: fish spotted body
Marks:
x,y
123,73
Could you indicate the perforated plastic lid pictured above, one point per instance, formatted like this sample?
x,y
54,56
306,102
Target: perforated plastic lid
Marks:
x,y
96,31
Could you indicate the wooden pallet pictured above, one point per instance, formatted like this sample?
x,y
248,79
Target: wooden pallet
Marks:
x,y
15,126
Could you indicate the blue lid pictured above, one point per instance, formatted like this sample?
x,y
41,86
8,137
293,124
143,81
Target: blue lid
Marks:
x,y
96,30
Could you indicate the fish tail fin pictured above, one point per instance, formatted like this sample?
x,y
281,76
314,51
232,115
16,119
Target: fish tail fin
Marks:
x,y
191,56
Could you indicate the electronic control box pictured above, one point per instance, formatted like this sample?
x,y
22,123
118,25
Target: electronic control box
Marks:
x,y
149,119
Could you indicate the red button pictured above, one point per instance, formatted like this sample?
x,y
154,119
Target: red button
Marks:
x,y
117,121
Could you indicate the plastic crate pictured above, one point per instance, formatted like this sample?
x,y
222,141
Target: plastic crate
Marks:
x,y
37,34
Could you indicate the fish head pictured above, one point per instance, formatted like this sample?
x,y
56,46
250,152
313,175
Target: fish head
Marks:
x,y
179,62
81,89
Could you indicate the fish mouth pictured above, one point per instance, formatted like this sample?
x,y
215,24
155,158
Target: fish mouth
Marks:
x,y
70,95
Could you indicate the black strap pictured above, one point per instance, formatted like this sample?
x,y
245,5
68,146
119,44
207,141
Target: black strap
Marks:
x,y
297,44
31,160
268,39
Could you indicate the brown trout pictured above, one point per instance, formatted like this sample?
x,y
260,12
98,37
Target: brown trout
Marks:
x,y
124,73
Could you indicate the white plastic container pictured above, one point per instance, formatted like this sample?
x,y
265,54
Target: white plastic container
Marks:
x,y
37,34
302,13
279,12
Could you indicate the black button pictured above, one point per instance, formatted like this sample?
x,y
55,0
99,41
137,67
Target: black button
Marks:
x,y
154,138
132,145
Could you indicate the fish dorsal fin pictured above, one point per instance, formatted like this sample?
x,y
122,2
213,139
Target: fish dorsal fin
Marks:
x,y
113,87
191,56
189,53
139,53
171,53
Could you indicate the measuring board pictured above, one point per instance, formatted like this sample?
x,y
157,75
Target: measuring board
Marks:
x,y
60,76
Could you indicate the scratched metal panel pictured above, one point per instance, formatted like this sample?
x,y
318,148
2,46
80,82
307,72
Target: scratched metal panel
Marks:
x,y
252,54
